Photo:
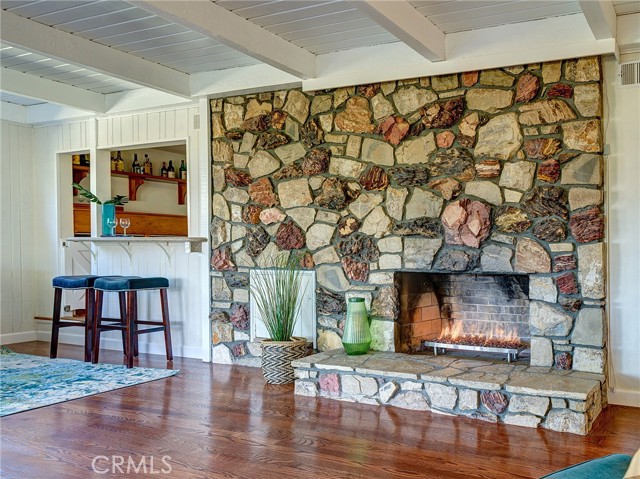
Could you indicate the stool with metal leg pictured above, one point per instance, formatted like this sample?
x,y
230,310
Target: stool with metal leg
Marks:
x,y
127,288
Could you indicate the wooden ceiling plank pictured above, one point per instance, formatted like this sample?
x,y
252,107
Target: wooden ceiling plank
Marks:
x,y
34,36
32,86
226,27
403,21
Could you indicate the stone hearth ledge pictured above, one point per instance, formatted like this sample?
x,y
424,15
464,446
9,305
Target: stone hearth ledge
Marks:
x,y
492,391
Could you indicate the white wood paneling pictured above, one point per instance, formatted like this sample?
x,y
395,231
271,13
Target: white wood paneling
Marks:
x,y
125,27
16,233
49,261
623,235
457,16
188,273
21,60
317,26
183,271
147,127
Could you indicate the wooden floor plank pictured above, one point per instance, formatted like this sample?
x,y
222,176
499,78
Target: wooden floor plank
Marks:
x,y
219,421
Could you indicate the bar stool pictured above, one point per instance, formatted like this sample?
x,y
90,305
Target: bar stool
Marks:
x,y
129,286
61,283
85,282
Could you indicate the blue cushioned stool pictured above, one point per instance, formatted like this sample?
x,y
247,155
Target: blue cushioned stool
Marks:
x,y
61,283
127,288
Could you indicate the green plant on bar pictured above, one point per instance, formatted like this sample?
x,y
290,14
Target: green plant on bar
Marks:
x,y
276,292
117,200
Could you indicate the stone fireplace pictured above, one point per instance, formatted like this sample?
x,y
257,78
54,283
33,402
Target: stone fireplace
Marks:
x,y
493,172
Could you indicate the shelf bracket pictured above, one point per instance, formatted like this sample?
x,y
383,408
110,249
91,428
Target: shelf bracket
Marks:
x,y
166,251
127,250
78,176
182,193
134,184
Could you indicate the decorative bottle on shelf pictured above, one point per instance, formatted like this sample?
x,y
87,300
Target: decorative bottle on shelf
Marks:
x,y
357,335
171,171
119,162
148,166
113,162
135,167
163,171
183,171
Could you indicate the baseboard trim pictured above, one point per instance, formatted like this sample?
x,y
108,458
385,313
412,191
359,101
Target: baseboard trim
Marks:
x,y
12,338
115,344
622,397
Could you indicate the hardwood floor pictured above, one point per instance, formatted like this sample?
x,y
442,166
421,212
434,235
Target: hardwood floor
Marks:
x,y
219,421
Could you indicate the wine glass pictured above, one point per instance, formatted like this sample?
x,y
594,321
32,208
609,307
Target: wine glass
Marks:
x,y
125,223
111,223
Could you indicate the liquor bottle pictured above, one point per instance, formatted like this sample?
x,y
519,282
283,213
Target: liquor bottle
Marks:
x,y
183,171
171,171
135,167
148,166
163,171
113,162
119,163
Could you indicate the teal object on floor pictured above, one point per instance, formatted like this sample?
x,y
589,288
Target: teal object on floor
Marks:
x,y
357,334
607,467
30,382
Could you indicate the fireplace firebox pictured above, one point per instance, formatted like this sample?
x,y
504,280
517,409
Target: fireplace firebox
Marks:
x,y
473,312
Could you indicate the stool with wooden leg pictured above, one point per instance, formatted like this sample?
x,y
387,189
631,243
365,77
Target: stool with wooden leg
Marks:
x,y
127,288
73,283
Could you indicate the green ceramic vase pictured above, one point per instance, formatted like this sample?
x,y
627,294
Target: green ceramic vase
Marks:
x,y
357,335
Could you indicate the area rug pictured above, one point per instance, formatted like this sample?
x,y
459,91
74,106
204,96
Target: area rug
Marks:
x,y
30,382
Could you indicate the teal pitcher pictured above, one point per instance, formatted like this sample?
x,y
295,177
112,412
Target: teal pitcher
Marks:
x,y
357,335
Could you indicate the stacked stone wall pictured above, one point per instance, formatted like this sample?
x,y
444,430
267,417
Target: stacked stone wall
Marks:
x,y
496,171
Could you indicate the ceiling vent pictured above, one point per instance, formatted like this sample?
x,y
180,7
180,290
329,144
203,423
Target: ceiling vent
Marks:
x,y
630,74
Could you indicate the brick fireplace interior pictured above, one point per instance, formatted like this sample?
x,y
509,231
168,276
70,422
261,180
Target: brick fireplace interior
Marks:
x,y
479,305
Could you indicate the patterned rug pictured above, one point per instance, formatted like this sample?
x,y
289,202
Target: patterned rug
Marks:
x,y
29,382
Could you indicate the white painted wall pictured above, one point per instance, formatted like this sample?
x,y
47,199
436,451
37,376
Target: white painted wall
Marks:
x,y
36,217
16,238
622,134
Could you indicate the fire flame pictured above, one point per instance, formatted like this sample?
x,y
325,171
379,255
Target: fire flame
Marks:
x,y
497,337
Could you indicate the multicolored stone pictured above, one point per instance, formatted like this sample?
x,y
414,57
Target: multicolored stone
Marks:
x,y
374,178
587,226
289,236
466,222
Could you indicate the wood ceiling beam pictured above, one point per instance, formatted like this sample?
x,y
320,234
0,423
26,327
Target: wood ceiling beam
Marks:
x,y
36,37
601,17
51,91
406,23
220,24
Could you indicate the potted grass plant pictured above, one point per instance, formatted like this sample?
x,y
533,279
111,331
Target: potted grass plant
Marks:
x,y
277,292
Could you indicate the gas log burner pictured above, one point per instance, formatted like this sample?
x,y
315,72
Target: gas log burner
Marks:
x,y
480,313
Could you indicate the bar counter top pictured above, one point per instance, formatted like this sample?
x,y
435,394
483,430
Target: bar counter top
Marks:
x,y
193,244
